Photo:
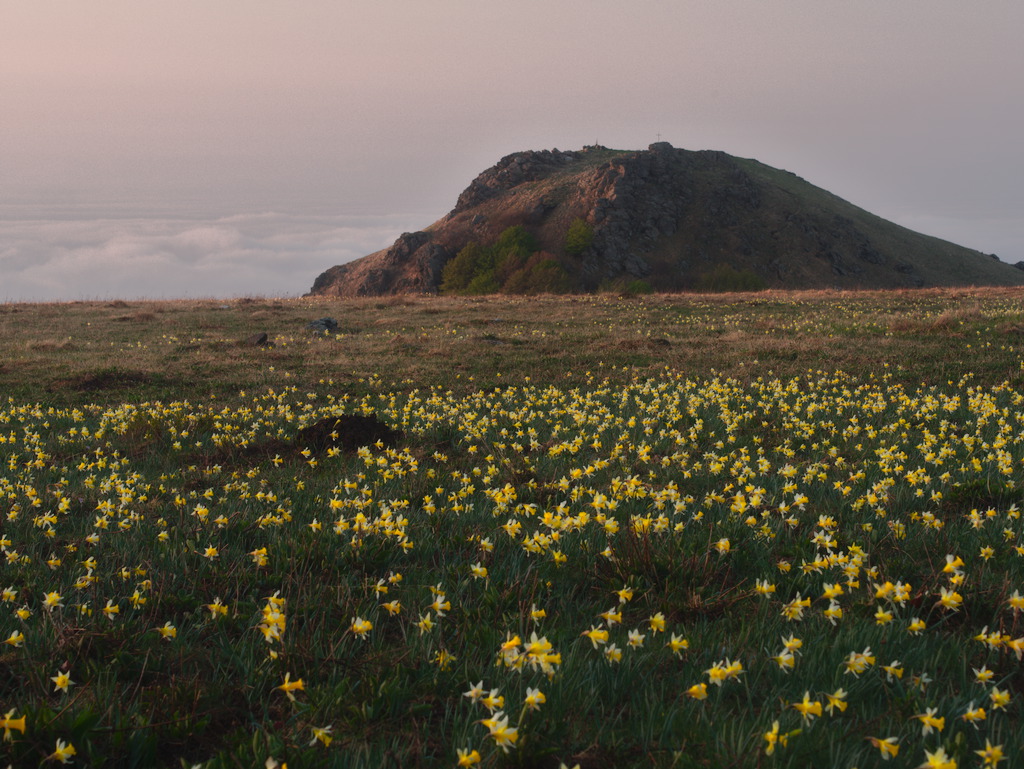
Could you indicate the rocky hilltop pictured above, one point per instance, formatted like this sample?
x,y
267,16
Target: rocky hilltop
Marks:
x,y
672,218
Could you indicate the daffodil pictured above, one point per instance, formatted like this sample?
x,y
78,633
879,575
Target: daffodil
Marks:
x,y
937,760
61,682
1000,699
322,734
361,627
930,721
972,715
16,639
773,738
493,701
64,752
678,645
837,700
468,757
475,693
808,708
889,746
290,686
534,699
992,754
596,635
503,736
698,691
9,723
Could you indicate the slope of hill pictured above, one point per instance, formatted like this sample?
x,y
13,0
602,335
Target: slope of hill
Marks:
x,y
674,218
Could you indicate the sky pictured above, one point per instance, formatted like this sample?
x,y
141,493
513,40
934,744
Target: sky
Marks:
x,y
240,147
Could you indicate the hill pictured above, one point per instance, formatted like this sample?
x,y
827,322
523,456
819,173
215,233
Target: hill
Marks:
x,y
672,218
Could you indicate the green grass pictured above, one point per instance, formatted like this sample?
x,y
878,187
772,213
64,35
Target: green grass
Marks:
x,y
691,449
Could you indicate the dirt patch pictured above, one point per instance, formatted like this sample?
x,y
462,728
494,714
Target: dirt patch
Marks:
x,y
101,380
347,432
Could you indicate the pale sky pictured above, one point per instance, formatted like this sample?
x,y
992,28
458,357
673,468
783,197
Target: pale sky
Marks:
x,y
299,135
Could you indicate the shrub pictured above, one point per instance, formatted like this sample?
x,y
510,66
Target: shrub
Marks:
x,y
725,278
578,237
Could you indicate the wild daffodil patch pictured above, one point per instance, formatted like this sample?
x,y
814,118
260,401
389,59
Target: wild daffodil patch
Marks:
x,y
669,572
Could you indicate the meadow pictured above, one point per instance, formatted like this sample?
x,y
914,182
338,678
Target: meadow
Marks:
x,y
742,530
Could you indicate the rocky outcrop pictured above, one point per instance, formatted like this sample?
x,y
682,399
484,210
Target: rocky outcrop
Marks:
x,y
670,216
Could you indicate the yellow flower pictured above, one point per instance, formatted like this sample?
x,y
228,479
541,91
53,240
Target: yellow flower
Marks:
x,y
1016,601
808,708
534,698
773,738
425,623
973,715
61,682
785,660
468,757
929,721
290,686
698,691
63,752
361,627
9,722
837,700
217,609
992,754
16,639
858,662
794,610
476,692
950,599
596,635
497,725
168,631
657,622
493,701
1000,699
893,670
938,760
889,746
322,734
678,645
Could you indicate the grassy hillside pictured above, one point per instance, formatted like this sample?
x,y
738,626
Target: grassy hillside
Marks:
x,y
772,530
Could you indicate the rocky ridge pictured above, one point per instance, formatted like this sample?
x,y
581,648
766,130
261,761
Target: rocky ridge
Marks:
x,y
670,216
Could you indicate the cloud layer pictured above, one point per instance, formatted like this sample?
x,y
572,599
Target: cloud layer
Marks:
x,y
266,254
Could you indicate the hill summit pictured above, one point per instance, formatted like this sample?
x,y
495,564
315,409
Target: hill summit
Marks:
x,y
663,218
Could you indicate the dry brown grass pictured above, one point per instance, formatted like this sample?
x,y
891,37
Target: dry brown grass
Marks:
x,y
193,348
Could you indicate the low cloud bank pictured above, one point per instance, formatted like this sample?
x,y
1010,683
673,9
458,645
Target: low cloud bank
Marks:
x,y
267,254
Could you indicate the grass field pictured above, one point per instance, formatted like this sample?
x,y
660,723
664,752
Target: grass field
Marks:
x,y
670,531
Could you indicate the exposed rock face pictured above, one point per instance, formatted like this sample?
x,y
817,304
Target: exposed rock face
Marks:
x,y
669,216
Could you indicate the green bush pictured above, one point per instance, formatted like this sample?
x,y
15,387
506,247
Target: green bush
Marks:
x,y
578,237
459,272
725,278
512,264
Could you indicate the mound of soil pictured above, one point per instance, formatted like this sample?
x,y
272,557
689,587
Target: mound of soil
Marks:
x,y
347,432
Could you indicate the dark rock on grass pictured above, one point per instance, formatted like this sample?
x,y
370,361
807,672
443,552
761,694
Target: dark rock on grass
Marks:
x,y
323,326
